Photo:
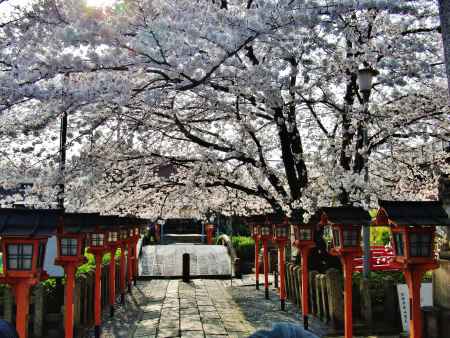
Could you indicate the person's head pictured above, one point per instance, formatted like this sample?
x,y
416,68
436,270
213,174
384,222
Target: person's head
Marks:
x,y
283,330
7,330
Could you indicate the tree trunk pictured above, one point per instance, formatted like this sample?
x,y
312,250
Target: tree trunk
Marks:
x,y
444,8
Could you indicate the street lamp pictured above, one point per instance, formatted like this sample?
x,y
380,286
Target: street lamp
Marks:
x,y
413,227
281,236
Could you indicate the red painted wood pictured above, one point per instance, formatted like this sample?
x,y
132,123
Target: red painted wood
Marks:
x,y
348,295
98,290
305,280
22,294
256,260
70,286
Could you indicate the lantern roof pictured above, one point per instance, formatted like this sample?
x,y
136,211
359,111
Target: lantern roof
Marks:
x,y
414,213
347,215
29,222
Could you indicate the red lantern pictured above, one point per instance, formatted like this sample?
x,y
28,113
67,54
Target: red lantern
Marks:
x,y
413,226
346,224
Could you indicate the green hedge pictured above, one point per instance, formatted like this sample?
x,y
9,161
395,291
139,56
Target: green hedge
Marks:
x,y
244,246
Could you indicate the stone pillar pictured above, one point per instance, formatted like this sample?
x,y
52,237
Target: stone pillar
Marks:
x,y
324,297
335,286
39,311
318,296
297,286
8,304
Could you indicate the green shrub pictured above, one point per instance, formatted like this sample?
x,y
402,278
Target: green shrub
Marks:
x,y
380,235
244,246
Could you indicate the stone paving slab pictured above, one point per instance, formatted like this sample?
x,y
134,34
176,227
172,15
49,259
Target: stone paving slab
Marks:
x,y
200,309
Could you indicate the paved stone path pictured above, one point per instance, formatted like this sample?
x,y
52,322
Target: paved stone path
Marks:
x,y
166,260
204,308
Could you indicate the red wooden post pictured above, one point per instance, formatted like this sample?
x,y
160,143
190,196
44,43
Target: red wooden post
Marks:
x,y
281,248
257,262
305,285
157,232
414,280
347,262
266,268
98,294
22,295
112,280
122,273
70,286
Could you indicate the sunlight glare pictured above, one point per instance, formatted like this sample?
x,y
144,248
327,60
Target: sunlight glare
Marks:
x,y
100,3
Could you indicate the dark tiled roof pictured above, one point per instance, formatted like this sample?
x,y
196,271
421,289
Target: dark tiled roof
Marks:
x,y
415,212
347,215
29,222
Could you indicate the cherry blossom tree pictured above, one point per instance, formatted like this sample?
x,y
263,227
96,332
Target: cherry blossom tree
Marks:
x,y
255,105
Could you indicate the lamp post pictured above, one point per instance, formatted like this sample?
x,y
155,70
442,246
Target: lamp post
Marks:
x,y
98,247
254,229
23,261
365,79
304,241
70,255
413,227
266,235
346,224
281,236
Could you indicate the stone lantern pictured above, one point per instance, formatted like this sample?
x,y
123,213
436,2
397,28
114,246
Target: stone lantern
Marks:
x,y
304,241
24,235
281,237
346,224
413,226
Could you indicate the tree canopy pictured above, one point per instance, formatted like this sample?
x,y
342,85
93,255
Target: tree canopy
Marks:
x,y
241,106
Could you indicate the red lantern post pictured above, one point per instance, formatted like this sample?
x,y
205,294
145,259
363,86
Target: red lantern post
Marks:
x,y
70,255
346,224
266,235
98,247
413,226
254,229
281,236
304,241
23,261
